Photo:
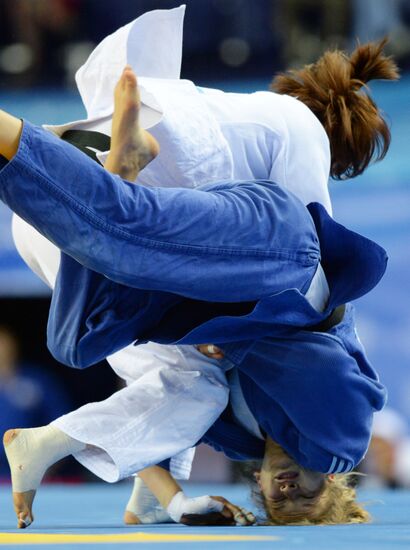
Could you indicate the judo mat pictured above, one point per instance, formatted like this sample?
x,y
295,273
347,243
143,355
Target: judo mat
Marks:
x,y
90,516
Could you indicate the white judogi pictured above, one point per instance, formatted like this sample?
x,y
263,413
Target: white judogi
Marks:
x,y
175,393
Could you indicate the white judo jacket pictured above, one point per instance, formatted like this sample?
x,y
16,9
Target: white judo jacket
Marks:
x,y
205,135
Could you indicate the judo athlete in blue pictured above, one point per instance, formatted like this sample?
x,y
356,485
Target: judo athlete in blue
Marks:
x,y
229,263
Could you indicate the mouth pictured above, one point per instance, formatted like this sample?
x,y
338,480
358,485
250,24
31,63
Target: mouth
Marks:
x,y
287,476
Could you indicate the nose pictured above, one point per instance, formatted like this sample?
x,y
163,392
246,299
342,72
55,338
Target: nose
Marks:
x,y
289,488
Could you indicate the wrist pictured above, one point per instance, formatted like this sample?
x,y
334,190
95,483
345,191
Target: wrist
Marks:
x,y
181,505
176,506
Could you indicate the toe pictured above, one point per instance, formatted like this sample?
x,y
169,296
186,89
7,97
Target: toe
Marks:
x,y
24,521
23,505
128,73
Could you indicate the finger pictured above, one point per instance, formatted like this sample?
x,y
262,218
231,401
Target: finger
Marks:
x,y
248,515
226,511
239,514
240,519
209,350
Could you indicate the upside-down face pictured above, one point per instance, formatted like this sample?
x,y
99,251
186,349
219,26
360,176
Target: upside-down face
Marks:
x,y
291,493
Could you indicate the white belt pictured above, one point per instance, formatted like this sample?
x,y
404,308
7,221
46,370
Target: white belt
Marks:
x,y
240,409
318,291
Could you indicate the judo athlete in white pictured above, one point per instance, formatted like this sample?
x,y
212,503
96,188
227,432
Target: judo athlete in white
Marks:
x,y
230,136
205,135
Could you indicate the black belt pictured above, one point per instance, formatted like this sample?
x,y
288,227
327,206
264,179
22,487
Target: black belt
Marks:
x,y
84,139
334,319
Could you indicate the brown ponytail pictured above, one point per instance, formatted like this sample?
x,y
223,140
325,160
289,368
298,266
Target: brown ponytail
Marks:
x,y
333,89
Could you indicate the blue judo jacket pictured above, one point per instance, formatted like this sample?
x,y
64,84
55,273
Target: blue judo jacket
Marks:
x,y
227,264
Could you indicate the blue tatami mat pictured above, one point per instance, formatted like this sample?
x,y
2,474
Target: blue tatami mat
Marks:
x,y
89,516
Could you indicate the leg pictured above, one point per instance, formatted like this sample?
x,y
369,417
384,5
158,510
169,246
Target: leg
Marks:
x,y
126,232
129,364
119,429
143,506
30,453
115,438
132,147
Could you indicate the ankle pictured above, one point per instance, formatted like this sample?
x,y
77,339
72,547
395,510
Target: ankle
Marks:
x,y
59,442
32,451
119,163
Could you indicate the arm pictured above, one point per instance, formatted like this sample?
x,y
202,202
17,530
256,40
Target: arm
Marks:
x,y
156,239
161,483
10,133
203,510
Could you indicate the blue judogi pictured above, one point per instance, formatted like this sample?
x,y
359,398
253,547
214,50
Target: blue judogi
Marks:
x,y
312,393
227,264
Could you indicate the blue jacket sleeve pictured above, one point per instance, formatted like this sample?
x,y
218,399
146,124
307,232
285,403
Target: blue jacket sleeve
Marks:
x,y
315,394
203,244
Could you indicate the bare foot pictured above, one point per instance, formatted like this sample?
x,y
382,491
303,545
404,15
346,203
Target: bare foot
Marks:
x,y
143,507
23,502
130,518
30,452
132,147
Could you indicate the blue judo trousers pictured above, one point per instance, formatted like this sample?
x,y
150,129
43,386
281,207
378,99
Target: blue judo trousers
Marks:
x,y
226,263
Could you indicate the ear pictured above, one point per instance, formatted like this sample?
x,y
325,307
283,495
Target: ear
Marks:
x,y
257,477
331,477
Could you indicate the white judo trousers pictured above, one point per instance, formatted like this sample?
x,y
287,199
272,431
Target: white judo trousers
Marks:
x,y
174,393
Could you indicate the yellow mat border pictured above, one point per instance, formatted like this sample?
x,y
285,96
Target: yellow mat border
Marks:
x,y
138,537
